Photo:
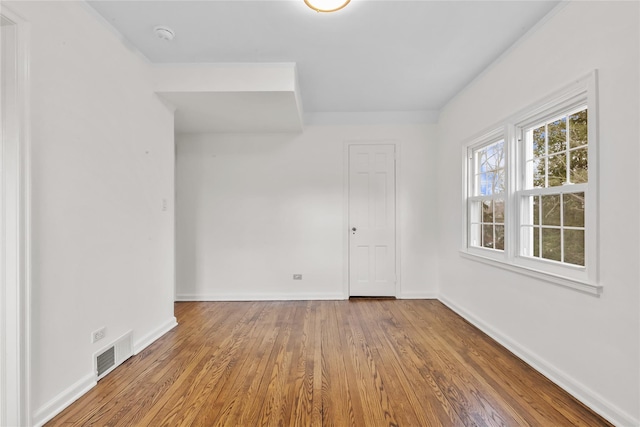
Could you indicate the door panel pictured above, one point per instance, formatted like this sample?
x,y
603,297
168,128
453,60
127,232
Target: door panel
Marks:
x,y
372,222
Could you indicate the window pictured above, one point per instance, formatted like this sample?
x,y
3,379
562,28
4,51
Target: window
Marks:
x,y
486,201
555,182
530,199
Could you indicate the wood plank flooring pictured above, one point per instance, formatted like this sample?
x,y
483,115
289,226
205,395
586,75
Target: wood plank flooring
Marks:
x,y
361,362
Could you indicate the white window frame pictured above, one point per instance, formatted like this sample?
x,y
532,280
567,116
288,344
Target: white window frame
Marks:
x,y
487,139
582,92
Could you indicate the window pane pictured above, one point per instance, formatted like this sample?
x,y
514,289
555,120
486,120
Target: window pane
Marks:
x,y
551,210
578,166
538,142
498,182
536,210
491,182
498,208
487,235
557,170
495,155
500,160
482,160
499,244
574,246
535,172
557,136
487,211
486,184
536,241
573,209
551,244
578,129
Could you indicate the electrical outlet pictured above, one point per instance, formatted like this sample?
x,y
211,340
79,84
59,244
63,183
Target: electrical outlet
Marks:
x,y
97,335
297,277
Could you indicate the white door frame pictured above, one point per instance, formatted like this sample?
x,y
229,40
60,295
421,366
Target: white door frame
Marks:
x,y
345,214
15,223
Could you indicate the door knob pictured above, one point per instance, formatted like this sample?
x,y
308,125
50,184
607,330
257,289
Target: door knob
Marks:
x,y
353,229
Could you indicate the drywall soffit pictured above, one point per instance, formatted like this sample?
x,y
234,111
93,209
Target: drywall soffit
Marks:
x,y
231,98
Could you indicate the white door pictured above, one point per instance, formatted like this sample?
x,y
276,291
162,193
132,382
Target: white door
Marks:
x,y
372,220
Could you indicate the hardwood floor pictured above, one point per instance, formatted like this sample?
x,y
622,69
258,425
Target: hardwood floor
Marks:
x,y
325,363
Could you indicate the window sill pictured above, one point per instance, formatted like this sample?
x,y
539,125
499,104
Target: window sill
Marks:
x,y
567,282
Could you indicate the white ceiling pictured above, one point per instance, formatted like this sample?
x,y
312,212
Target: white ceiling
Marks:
x,y
371,56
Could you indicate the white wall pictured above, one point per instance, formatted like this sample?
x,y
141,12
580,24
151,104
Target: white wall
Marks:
x,y
589,344
102,161
252,210
255,209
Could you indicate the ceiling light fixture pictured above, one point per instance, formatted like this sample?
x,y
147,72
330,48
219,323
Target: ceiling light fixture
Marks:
x,y
164,33
326,5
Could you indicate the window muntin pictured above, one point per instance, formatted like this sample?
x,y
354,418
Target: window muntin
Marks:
x,y
557,151
554,228
552,225
489,168
487,195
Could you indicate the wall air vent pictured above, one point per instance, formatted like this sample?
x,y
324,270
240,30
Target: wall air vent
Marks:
x,y
106,360
110,357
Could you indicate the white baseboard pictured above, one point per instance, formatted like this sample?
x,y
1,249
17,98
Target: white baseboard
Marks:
x,y
145,341
418,295
585,395
260,297
288,296
64,399
82,386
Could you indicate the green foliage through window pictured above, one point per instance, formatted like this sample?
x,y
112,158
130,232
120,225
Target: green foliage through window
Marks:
x,y
559,151
529,201
557,158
